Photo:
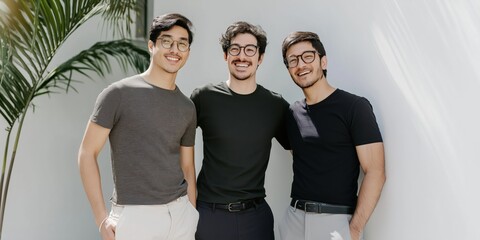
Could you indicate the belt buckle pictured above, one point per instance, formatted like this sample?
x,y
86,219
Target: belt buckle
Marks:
x,y
229,207
318,207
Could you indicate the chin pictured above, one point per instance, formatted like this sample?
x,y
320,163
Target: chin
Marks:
x,y
241,78
304,85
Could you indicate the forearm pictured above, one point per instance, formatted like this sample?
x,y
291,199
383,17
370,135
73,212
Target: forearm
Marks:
x,y
192,185
187,162
368,196
90,175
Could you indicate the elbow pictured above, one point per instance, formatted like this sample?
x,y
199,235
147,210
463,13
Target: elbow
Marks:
x,y
382,177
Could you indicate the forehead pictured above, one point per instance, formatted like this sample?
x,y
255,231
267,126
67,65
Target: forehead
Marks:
x,y
244,39
176,32
299,48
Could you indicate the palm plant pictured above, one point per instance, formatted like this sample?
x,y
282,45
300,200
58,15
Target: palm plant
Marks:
x,y
31,32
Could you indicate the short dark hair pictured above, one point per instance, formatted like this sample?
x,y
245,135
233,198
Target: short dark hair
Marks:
x,y
296,37
166,22
244,27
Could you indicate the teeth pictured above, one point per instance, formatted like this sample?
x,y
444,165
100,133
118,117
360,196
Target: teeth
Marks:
x,y
241,65
303,73
172,58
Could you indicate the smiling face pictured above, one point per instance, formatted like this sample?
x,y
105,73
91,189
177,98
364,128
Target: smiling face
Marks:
x,y
169,60
243,67
304,74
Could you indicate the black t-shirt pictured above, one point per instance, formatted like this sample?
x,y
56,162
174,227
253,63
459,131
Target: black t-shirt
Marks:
x,y
323,137
237,137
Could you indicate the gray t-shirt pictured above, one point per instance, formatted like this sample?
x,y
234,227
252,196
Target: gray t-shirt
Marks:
x,y
148,125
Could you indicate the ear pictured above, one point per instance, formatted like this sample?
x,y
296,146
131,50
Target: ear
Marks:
x,y
323,62
260,59
150,46
225,56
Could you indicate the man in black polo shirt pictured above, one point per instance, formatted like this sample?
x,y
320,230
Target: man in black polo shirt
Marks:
x,y
332,134
238,119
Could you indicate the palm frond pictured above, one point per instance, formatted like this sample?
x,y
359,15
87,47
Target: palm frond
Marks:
x,y
97,59
31,32
34,30
14,88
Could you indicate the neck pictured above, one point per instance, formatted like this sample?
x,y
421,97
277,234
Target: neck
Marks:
x,y
318,92
242,86
159,78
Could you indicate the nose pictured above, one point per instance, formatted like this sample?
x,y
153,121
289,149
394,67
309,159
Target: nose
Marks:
x,y
242,53
174,47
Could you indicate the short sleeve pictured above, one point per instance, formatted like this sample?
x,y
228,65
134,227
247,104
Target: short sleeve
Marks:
x,y
281,133
364,128
105,112
188,138
195,97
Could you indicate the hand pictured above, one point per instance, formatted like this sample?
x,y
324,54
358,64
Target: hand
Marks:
x,y
354,234
107,230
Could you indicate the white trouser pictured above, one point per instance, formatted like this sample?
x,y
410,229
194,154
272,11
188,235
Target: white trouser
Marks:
x,y
299,225
176,220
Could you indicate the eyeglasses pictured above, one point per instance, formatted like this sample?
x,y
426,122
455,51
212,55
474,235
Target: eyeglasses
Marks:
x,y
250,50
307,57
167,42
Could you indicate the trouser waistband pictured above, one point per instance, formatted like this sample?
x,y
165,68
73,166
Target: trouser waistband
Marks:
x,y
235,206
318,207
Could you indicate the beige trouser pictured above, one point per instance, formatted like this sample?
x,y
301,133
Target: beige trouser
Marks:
x,y
298,225
176,220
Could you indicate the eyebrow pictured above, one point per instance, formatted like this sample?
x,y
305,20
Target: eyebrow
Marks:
x,y
168,35
293,55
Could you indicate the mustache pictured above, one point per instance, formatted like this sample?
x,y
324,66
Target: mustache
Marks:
x,y
240,61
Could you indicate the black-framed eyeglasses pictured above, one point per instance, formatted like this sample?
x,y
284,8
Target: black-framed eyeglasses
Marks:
x,y
167,42
307,57
250,50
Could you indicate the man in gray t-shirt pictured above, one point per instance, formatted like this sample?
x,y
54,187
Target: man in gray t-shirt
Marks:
x,y
151,125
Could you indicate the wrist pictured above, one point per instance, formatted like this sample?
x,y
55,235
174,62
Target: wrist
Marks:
x,y
101,224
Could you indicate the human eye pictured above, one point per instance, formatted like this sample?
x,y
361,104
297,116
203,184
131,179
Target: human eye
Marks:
x,y
250,50
234,49
292,61
183,44
166,41
308,56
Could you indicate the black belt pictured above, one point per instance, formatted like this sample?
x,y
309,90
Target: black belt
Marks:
x,y
237,206
318,207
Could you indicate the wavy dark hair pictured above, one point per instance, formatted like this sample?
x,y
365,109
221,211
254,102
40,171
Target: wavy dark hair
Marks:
x,y
244,27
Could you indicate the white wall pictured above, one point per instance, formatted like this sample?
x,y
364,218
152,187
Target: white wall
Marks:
x,y
416,61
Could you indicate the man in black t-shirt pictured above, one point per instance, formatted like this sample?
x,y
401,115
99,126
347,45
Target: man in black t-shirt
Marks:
x,y
238,119
332,134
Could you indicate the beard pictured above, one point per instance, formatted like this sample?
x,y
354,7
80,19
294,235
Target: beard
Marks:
x,y
307,84
303,84
242,77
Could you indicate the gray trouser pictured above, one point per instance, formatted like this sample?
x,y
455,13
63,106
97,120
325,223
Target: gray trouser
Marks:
x,y
298,225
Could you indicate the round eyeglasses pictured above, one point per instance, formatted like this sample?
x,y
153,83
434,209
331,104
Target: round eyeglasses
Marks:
x,y
167,42
250,50
307,57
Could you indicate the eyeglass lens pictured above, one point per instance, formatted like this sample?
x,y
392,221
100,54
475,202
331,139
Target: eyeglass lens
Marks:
x,y
307,57
249,50
167,42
